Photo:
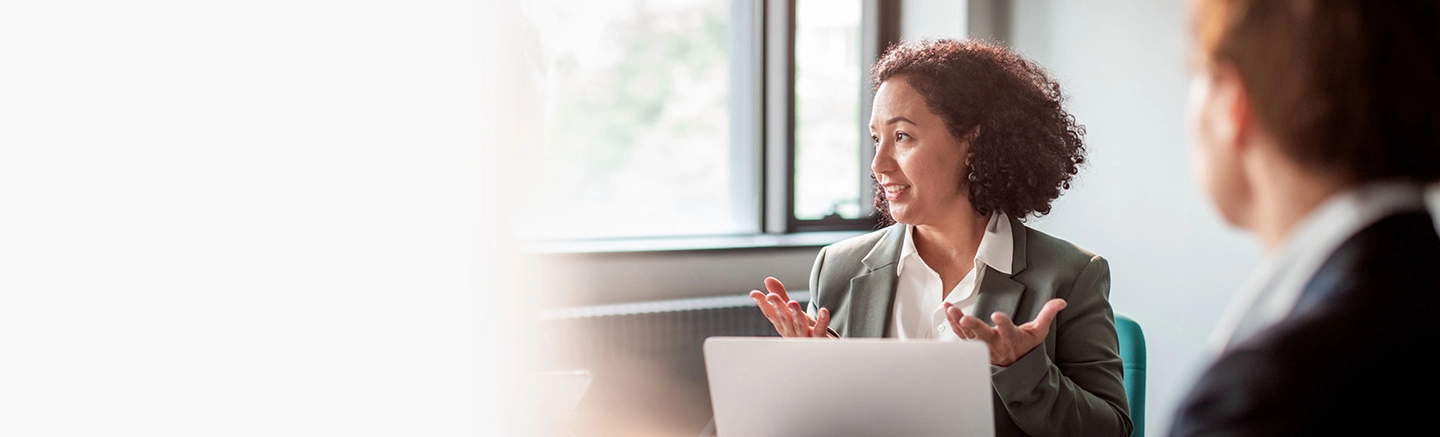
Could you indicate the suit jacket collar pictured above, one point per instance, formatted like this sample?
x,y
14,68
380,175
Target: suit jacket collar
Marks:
x,y
887,250
872,293
1018,233
997,246
1271,292
999,291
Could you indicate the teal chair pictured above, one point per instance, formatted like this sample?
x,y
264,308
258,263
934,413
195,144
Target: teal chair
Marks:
x,y
1132,353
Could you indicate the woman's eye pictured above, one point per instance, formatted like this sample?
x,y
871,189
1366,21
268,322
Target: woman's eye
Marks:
x,y
874,140
900,136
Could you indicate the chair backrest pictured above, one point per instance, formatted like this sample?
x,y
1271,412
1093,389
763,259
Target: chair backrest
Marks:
x,y
1132,353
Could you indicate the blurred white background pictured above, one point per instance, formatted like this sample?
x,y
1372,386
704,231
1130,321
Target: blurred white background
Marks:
x,y
254,218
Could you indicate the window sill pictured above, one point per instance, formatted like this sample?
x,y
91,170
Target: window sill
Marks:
x,y
690,244
662,306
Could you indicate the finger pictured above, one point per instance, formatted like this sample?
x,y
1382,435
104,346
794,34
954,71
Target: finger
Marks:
x,y
822,323
966,332
953,316
767,309
1047,315
798,320
1004,326
978,329
782,315
776,287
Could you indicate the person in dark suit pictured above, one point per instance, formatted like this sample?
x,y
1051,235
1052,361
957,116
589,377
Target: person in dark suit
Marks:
x,y
1316,125
970,138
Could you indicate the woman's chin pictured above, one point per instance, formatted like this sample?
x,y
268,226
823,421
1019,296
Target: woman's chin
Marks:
x,y
901,217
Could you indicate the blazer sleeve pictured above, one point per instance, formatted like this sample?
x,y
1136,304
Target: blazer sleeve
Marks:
x,y
815,283
814,307
1081,391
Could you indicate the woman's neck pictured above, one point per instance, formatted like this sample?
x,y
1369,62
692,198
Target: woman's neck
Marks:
x,y
950,247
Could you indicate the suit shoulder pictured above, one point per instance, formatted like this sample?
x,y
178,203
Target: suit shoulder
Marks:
x,y
858,245
1302,377
1242,391
1043,246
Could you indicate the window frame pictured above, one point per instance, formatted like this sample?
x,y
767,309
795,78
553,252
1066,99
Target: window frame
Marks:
x,y
879,28
762,154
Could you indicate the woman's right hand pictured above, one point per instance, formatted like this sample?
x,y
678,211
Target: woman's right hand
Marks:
x,y
787,316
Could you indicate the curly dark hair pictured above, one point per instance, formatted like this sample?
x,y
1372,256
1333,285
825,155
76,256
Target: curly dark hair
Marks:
x,y
1027,148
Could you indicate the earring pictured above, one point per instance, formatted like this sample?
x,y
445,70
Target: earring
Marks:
x,y
972,176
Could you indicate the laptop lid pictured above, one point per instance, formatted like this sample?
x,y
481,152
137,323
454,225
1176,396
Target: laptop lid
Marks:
x,y
849,387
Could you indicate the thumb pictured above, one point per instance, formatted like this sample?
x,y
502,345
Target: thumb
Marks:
x,y
822,323
1047,314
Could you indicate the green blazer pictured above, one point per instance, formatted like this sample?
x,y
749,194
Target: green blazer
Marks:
x,y
1071,385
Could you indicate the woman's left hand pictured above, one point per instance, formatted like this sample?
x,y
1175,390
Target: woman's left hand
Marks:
x,y
1007,342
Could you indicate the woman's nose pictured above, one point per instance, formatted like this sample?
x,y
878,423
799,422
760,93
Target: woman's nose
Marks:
x,y
883,161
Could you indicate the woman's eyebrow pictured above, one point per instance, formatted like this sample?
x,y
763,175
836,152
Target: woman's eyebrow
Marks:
x,y
893,120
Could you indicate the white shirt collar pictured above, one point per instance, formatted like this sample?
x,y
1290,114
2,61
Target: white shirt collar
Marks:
x,y
1275,286
997,246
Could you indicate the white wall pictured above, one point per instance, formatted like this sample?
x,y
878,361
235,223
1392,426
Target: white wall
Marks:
x,y
932,19
1174,264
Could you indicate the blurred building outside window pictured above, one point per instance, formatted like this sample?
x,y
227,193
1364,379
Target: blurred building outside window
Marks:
x,y
637,104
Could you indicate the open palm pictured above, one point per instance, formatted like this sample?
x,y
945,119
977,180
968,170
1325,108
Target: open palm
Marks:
x,y
786,315
1007,342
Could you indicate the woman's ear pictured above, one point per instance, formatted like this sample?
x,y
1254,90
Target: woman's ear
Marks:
x,y
972,135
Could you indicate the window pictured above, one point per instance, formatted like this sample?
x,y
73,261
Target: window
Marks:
x,y
828,74
636,137
696,117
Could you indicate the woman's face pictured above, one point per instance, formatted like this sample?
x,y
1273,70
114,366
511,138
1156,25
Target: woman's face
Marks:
x,y
918,162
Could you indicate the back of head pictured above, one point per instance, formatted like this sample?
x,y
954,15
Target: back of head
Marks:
x,y
1349,87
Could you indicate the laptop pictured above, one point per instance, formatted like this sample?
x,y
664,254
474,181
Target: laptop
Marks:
x,y
849,387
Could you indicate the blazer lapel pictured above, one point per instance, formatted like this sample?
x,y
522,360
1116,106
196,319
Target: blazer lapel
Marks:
x,y
872,294
871,297
998,291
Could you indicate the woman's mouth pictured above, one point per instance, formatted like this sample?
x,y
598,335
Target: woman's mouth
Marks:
x,y
893,191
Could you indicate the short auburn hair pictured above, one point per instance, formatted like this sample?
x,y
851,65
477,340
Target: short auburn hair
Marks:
x,y
1027,147
1346,86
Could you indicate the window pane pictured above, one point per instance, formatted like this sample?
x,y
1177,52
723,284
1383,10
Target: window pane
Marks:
x,y
635,139
827,109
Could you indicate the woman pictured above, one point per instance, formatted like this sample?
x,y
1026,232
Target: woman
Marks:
x,y
970,138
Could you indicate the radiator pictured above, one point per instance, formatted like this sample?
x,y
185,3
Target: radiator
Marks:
x,y
646,357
